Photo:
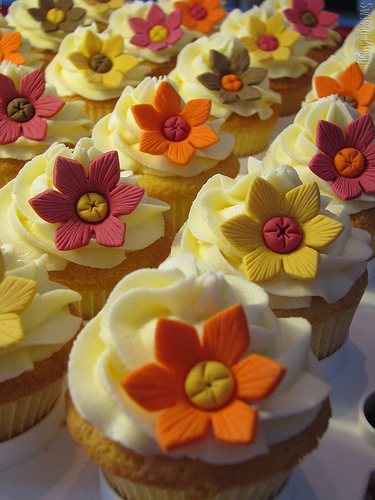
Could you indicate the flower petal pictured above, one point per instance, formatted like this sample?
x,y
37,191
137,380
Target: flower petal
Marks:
x,y
153,143
202,137
365,95
125,198
166,100
124,63
113,46
329,138
253,76
155,15
325,86
52,206
73,234
235,424
48,106
139,26
181,152
256,27
261,264
79,60
352,77
302,264
219,62
367,180
147,117
35,129
322,166
249,43
210,81
140,39
321,231
10,42
243,232
249,93
32,86
196,111
327,18
92,44
173,21
346,188
262,200
16,294
11,331
110,232
275,24
69,177
104,172
280,54
113,78
10,130
302,203
360,132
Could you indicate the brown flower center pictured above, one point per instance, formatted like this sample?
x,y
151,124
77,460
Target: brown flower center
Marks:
x,y
176,129
352,101
158,33
92,207
20,110
282,234
349,162
198,12
308,19
268,43
100,63
55,16
231,83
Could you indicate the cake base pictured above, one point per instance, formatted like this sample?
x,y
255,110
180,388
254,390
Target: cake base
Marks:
x,y
292,91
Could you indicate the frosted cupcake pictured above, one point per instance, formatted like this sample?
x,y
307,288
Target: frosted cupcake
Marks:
x,y
168,142
272,45
32,118
165,437
279,233
38,324
100,11
94,223
95,68
219,69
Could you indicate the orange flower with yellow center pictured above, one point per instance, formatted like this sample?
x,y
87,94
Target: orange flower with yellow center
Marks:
x,y
9,44
200,14
197,385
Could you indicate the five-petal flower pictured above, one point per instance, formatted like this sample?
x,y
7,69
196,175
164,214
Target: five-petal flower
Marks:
x,y
165,127
201,15
87,204
59,15
198,385
309,18
281,233
9,44
348,162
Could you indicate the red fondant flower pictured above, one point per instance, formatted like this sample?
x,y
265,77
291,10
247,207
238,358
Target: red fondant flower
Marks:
x,y
87,205
167,128
9,44
157,31
22,111
309,18
200,14
348,162
197,386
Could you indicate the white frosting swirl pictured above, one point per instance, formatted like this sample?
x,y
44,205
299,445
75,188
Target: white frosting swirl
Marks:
x,y
120,131
32,236
121,338
221,198
47,322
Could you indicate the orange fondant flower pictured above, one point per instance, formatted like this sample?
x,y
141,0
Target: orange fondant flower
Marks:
x,y
198,385
352,88
9,44
168,128
200,14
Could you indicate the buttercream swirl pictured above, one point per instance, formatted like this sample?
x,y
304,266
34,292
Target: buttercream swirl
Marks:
x,y
362,37
121,338
32,236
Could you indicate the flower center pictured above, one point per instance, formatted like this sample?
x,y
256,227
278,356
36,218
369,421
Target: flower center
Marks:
x,y
308,19
92,207
282,234
352,101
104,1
158,33
268,42
100,63
231,83
20,110
55,16
198,12
209,385
349,162
176,129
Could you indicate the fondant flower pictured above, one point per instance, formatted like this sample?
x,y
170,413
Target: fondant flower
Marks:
x,y
309,18
87,204
168,128
198,385
102,6
103,61
351,89
233,79
22,111
281,233
9,44
201,15
348,162
157,31
269,40
59,15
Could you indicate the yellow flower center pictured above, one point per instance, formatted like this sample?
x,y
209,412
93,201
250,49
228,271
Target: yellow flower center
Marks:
x,y
158,33
349,162
231,83
209,385
92,207
55,16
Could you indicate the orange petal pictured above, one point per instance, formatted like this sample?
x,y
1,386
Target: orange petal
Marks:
x,y
10,42
153,387
216,15
14,58
211,4
203,137
196,111
181,152
257,376
205,25
352,77
146,116
366,94
235,423
226,335
167,101
326,86
153,143
181,425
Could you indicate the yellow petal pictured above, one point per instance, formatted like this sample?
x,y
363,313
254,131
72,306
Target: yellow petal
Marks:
x,y
302,203
302,264
280,54
92,44
124,63
79,60
261,55
11,331
249,43
262,264
16,294
263,200
91,76
113,78
288,38
275,25
256,27
243,233
113,46
321,231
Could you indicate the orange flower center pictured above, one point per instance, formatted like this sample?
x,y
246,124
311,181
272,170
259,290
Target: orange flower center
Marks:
x,y
268,43
176,129
349,99
209,385
231,83
282,234
158,33
349,162
308,19
92,207
198,12
20,110
55,16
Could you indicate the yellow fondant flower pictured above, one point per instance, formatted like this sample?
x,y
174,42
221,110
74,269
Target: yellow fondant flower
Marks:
x,y
103,61
269,40
281,233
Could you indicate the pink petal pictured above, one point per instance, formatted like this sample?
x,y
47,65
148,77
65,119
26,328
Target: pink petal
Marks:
x,y
155,15
292,16
125,198
300,5
367,180
319,31
35,129
141,40
360,132
315,6
346,189
32,86
48,106
104,172
322,166
53,206
173,37
139,25
69,177
302,28
174,20
369,154
73,234
10,131
110,232
156,46
327,18
8,91
329,138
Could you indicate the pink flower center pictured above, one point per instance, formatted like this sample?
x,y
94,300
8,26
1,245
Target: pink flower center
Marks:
x,y
282,234
176,129
20,110
349,162
231,83
268,43
198,12
308,19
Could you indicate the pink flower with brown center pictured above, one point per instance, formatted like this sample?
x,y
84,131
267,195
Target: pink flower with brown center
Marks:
x,y
309,18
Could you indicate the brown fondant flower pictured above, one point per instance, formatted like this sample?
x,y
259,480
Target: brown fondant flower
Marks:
x,y
59,15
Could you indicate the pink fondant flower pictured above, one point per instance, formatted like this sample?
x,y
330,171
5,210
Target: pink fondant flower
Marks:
x,y
22,111
87,204
157,31
309,18
348,162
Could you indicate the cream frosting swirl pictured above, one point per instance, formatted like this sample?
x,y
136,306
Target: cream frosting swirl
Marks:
x,y
47,322
32,236
362,37
342,262
99,11
121,338
32,59
120,131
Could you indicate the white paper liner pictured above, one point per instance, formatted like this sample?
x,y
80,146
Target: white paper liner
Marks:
x,y
334,363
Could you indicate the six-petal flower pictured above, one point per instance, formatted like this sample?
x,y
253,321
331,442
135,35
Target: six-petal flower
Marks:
x,y
61,15
201,15
309,18
9,44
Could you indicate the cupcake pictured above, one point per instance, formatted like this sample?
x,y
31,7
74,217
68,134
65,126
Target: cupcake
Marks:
x,y
168,142
219,69
279,233
94,223
100,11
95,68
362,37
197,390
39,321
32,118
272,45
330,143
